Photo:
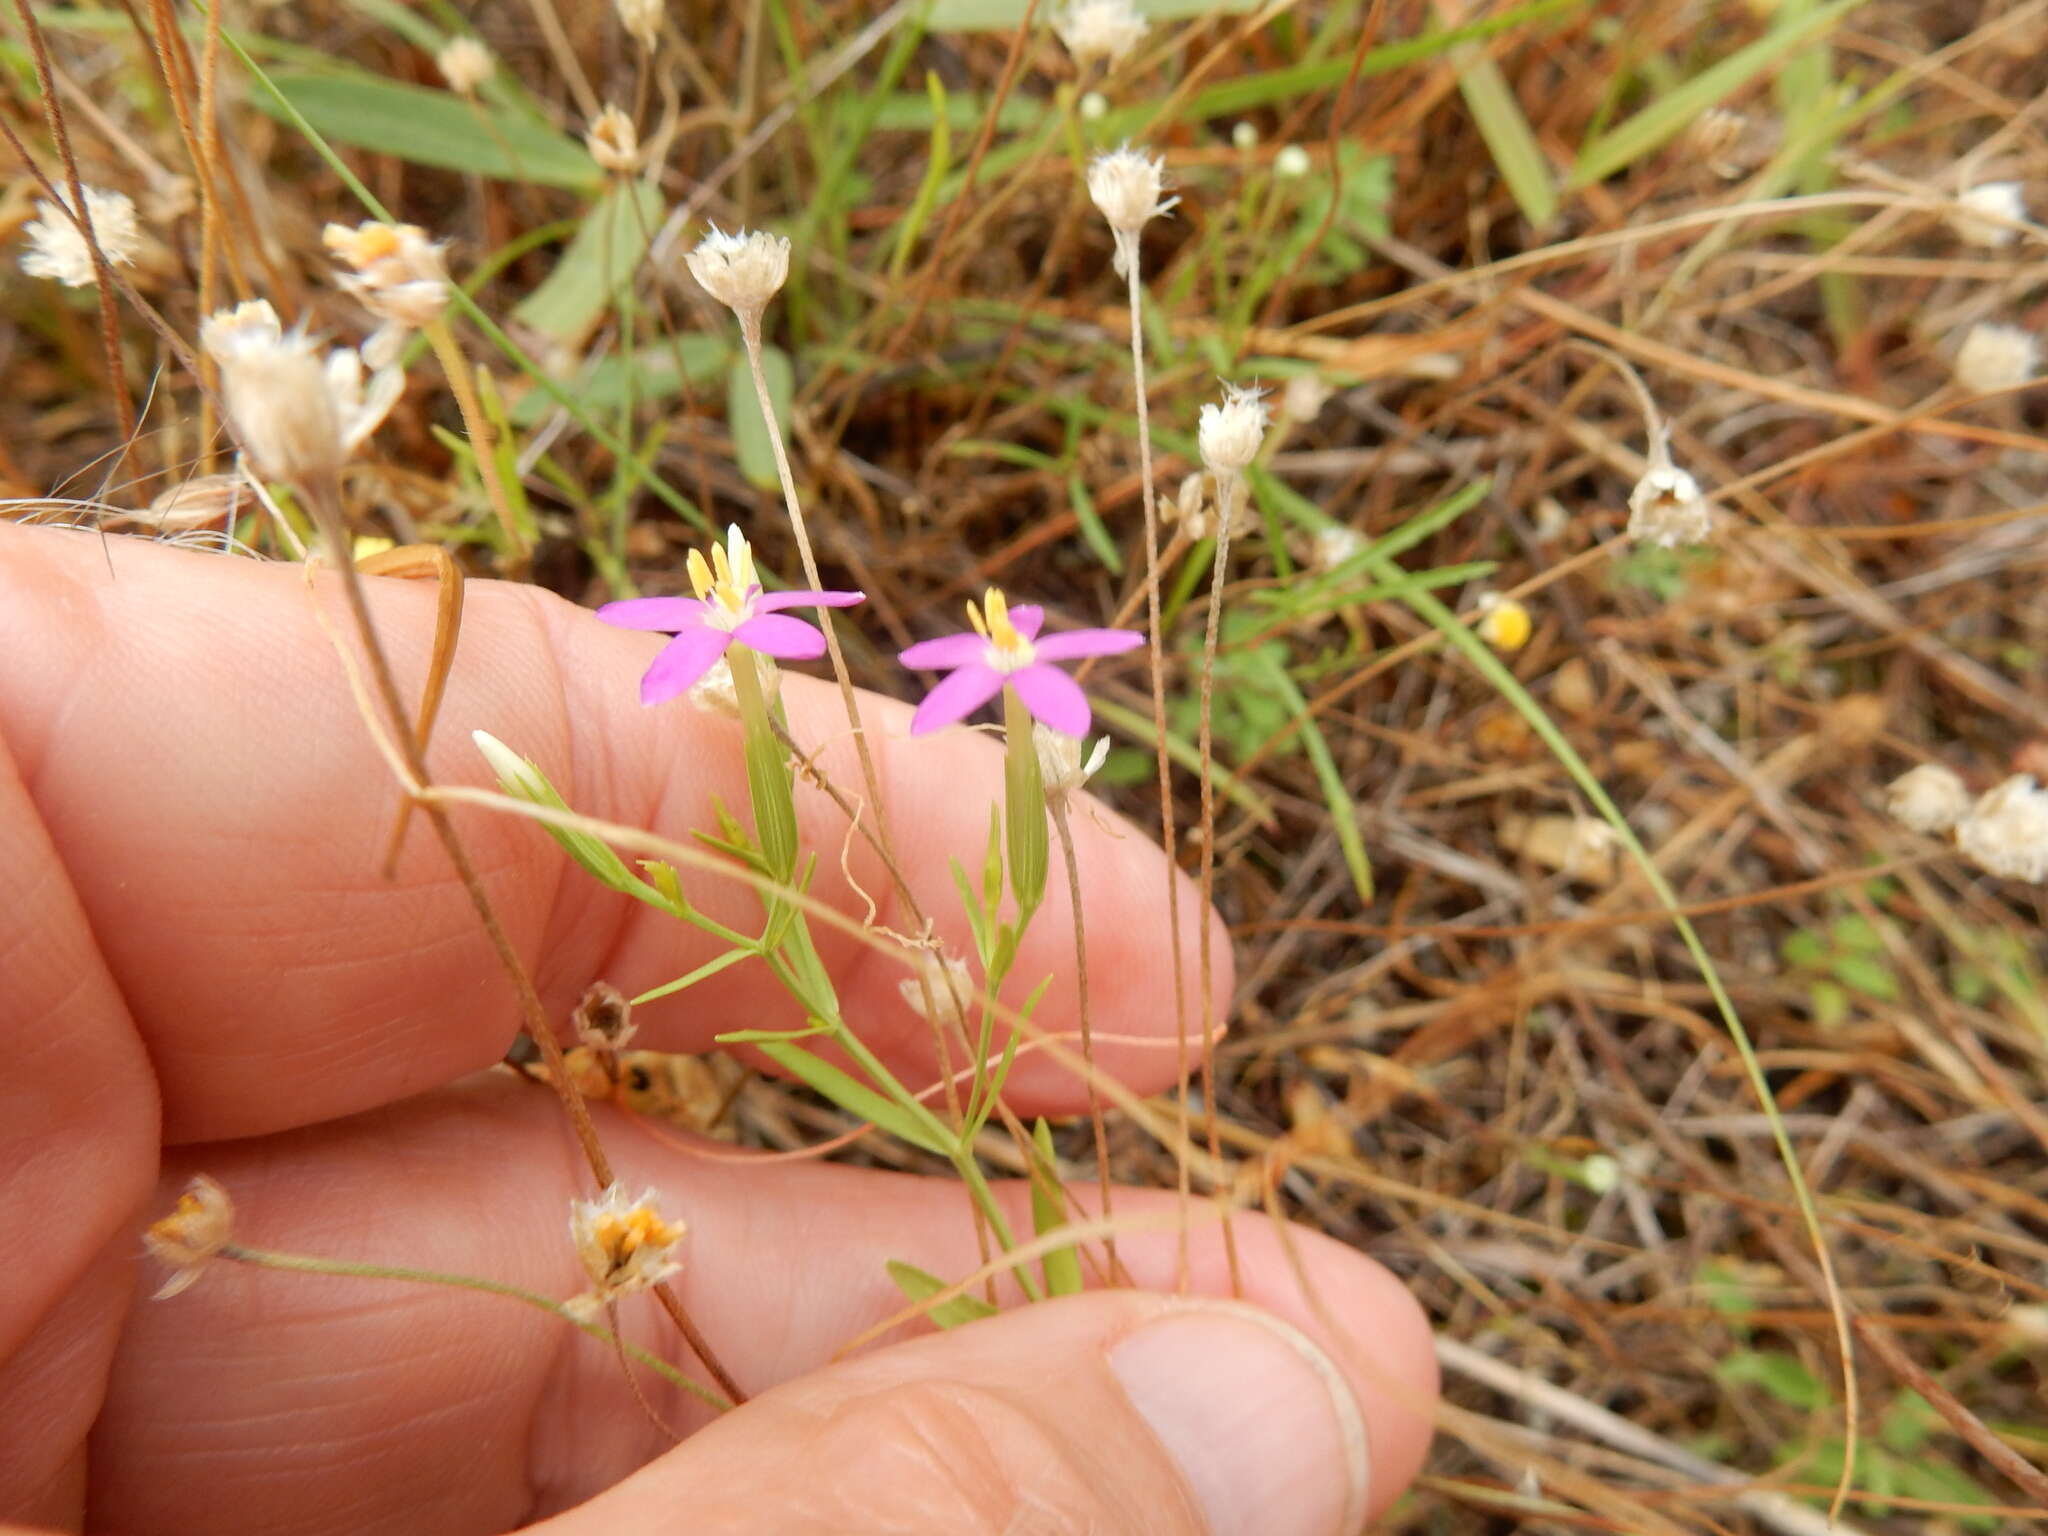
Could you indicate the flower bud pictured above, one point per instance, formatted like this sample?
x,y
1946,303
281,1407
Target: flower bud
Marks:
x,y
1099,31
1985,214
613,142
1229,434
1994,357
465,64
1127,186
2006,831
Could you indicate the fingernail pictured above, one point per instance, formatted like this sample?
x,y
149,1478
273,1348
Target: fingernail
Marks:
x,y
1263,1426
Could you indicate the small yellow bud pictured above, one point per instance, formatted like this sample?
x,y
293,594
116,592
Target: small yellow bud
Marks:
x,y
1504,623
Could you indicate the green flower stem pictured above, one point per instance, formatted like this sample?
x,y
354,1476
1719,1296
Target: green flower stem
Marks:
x,y
306,1265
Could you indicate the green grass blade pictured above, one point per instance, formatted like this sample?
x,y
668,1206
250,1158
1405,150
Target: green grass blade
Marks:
x,y
1672,111
921,1285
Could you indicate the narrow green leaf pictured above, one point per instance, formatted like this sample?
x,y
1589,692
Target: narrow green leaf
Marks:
x,y
752,446
1669,112
1093,533
703,972
1516,154
921,1286
1062,1266
598,263
430,127
855,1097
1343,810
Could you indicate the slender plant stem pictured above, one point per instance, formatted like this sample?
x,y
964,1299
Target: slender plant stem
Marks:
x,y
1057,801
81,215
1157,652
750,335
483,437
325,499
1229,494
303,1264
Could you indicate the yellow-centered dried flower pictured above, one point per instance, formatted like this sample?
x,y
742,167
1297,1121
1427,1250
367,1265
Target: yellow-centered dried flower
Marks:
x,y
465,64
395,271
198,1227
1127,187
613,142
742,270
624,1246
1929,798
57,248
1099,31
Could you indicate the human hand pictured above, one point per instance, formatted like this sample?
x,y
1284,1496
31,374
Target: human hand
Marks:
x,y
200,970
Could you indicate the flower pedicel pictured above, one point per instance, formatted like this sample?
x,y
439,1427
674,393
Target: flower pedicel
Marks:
x,y
729,606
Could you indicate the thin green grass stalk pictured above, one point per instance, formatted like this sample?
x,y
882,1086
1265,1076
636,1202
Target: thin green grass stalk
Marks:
x,y
482,437
1490,667
262,1258
1156,653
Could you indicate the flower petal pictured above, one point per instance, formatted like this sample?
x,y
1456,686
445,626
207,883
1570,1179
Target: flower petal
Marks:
x,y
1028,619
778,635
682,661
775,602
957,697
1071,644
1053,698
673,614
946,652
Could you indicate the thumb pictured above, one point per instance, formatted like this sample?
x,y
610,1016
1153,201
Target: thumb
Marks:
x,y
1120,1411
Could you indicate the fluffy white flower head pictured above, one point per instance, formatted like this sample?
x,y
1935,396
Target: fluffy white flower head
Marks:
x,y
1292,162
397,273
642,20
1929,798
1985,214
1996,357
625,1246
1333,546
465,64
742,270
56,247
1127,186
2006,831
1229,434
1099,30
1666,508
299,416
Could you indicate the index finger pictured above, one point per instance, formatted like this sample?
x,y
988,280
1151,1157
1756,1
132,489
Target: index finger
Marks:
x,y
188,738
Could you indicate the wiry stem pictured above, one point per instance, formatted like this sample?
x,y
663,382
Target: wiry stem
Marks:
x,y
304,1264
1166,823
1058,802
324,497
750,335
1229,491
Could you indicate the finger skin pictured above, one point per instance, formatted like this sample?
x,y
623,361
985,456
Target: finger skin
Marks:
x,y
1015,1423
78,1151
189,741
257,1400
